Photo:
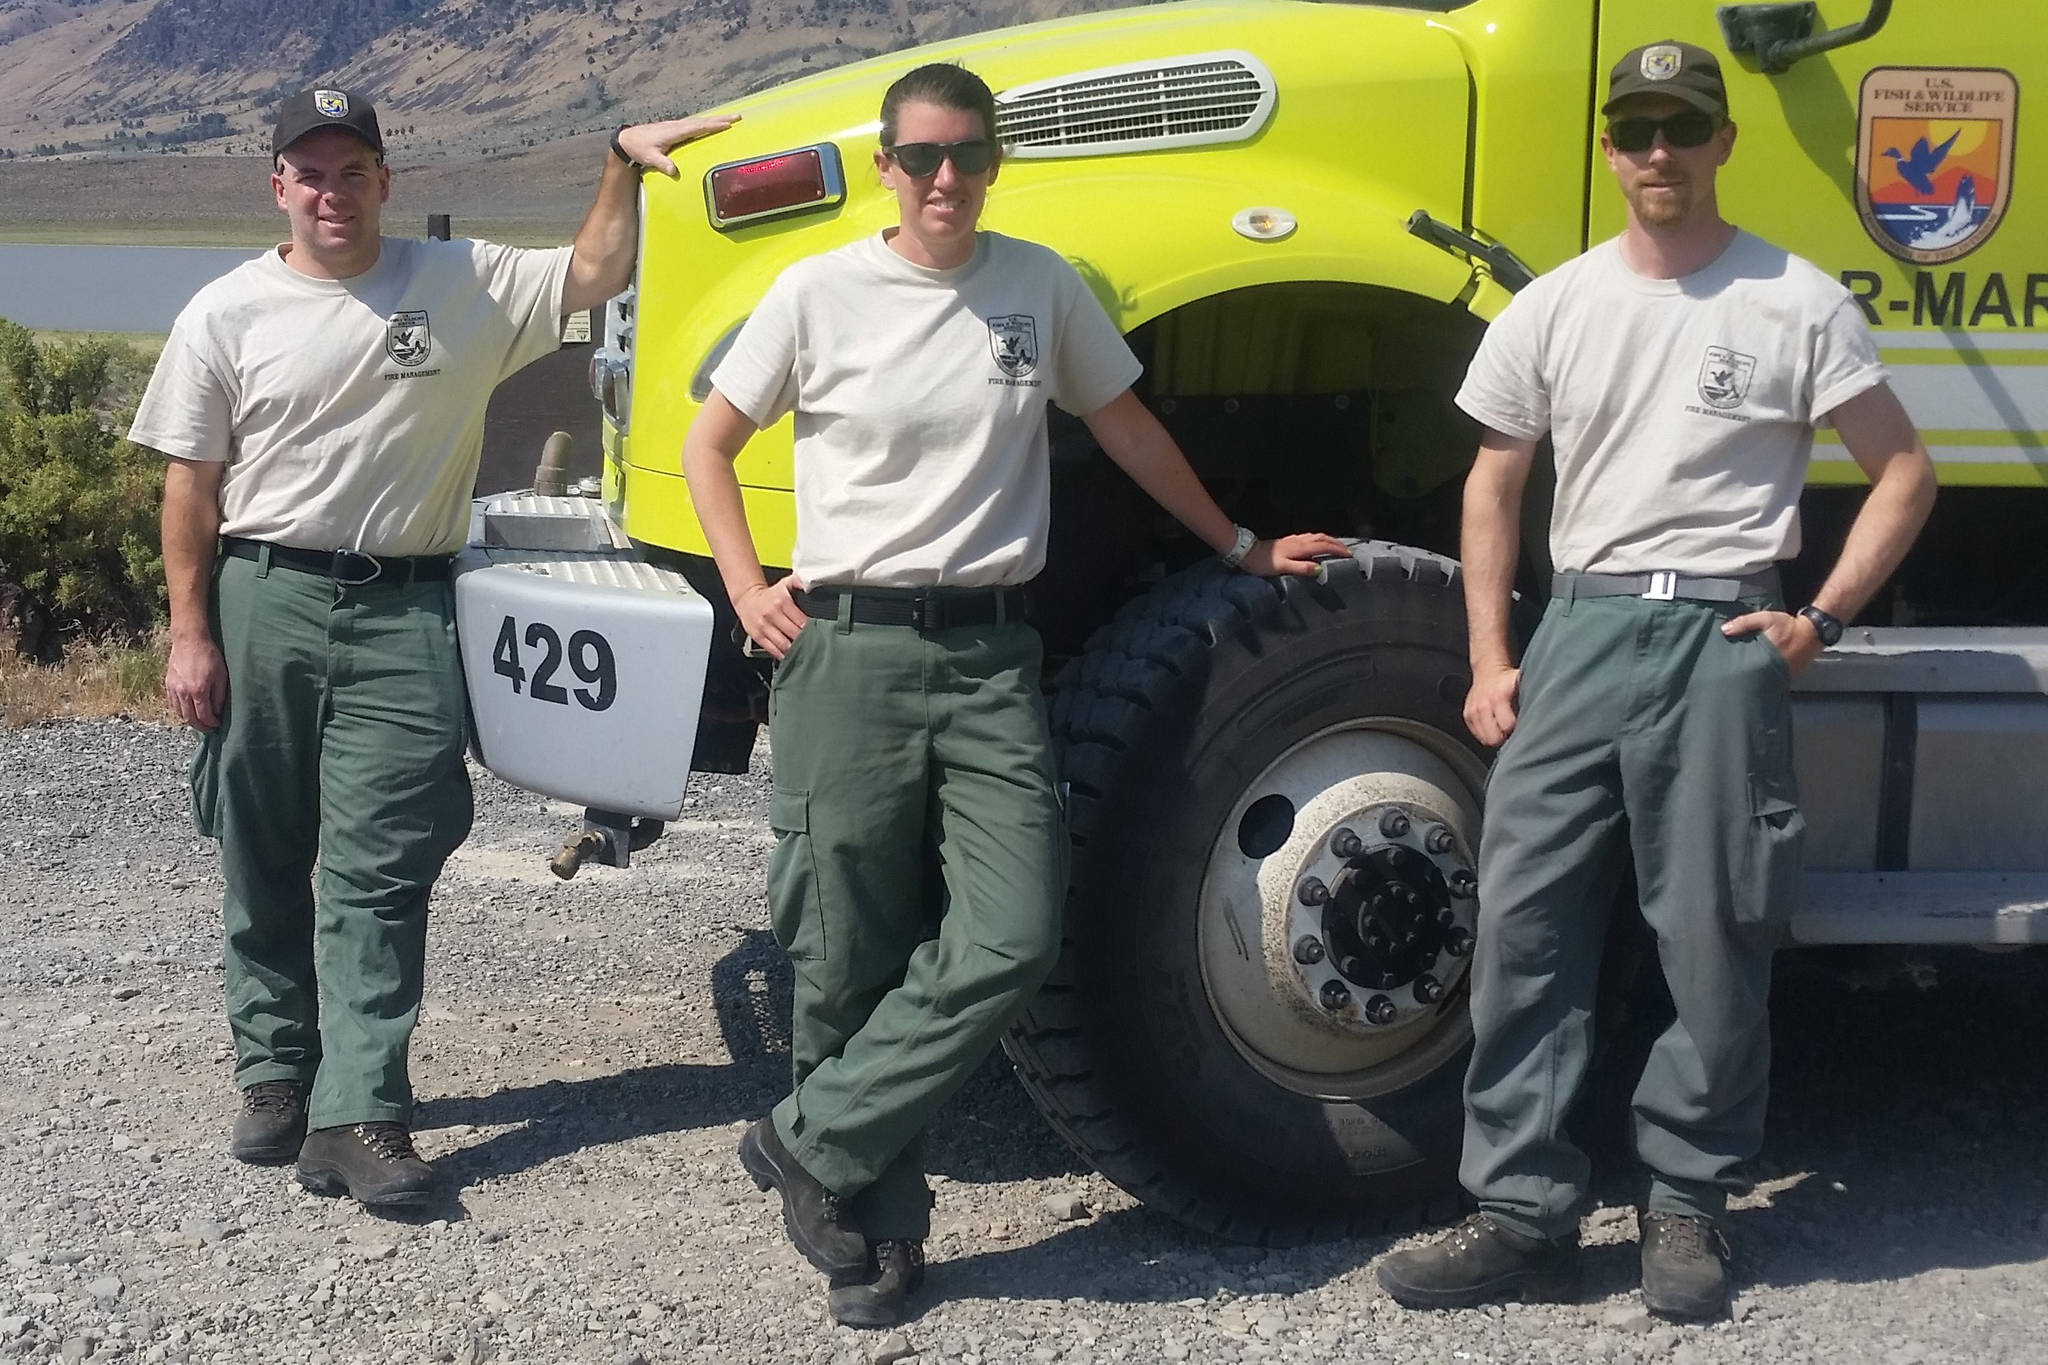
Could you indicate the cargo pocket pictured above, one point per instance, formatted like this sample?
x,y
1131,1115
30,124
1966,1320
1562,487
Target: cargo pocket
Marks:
x,y
202,774
795,909
1777,830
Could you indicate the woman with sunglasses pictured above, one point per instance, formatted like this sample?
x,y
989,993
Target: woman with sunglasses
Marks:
x,y
921,856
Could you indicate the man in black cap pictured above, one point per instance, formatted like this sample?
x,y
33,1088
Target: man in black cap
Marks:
x,y
1680,370
321,413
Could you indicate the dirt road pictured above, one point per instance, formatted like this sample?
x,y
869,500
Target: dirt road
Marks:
x,y
590,1052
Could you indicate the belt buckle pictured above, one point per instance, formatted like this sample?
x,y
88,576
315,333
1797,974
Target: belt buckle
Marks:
x,y
1663,586
347,565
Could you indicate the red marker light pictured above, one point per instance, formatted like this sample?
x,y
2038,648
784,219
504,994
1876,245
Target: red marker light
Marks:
x,y
766,186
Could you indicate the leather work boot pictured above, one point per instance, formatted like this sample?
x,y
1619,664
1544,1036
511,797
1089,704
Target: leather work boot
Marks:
x,y
1685,1266
876,1298
1479,1261
817,1220
271,1125
373,1163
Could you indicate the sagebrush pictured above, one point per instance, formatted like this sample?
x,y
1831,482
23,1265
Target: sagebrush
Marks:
x,y
79,550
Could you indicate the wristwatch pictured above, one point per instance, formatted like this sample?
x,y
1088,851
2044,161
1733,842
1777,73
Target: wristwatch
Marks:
x,y
1827,627
1246,538
620,152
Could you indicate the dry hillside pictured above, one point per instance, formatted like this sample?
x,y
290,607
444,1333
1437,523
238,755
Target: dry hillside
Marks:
x,y
84,83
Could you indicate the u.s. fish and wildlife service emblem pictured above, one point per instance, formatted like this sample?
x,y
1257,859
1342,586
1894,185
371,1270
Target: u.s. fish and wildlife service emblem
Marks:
x,y
1934,158
1014,339
1661,63
1725,376
407,339
330,103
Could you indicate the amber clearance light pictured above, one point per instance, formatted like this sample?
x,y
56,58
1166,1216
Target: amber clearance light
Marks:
x,y
741,192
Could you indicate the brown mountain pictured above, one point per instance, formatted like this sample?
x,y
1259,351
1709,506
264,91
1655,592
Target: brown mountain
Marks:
x,y
89,79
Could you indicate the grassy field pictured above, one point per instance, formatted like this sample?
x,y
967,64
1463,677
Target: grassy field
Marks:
x,y
535,197
91,233
95,679
88,232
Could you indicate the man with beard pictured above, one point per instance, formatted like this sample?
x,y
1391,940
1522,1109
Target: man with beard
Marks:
x,y
1679,370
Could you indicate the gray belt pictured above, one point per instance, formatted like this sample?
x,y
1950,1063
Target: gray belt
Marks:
x,y
1664,586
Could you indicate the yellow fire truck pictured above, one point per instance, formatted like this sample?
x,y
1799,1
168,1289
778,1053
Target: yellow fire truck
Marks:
x,y
1302,215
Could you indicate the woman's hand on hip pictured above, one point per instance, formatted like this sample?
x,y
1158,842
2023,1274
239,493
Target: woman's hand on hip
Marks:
x,y
1295,554
770,619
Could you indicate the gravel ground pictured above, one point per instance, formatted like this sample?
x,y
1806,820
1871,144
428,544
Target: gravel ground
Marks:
x,y
590,1052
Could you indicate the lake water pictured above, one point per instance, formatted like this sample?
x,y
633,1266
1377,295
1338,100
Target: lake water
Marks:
x,y
107,288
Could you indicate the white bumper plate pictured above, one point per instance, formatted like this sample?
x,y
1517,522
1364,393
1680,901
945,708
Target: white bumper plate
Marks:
x,y
584,663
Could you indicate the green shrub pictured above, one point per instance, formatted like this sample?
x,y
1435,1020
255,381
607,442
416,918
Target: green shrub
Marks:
x,y
79,550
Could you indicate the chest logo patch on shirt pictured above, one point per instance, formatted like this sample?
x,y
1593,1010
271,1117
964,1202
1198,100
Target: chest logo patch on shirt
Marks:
x,y
1725,376
1014,339
407,339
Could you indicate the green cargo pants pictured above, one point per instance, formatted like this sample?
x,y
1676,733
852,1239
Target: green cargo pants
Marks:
x,y
336,787
916,882
1641,729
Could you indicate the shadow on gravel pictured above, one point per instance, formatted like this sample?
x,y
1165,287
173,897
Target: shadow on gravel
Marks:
x,y
1915,1116
560,1118
990,1132
987,1132
751,990
1136,1256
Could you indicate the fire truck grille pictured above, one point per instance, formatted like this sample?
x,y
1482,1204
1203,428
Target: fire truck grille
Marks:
x,y
1177,102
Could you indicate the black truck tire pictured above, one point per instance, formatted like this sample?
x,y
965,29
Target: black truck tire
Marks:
x,y
1165,728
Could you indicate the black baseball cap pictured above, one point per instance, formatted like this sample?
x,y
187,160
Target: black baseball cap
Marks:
x,y
311,110
1679,70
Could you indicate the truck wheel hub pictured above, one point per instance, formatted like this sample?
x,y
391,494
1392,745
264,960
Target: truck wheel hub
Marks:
x,y
1390,935
1338,908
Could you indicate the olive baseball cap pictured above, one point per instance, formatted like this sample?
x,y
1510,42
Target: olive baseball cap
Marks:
x,y
311,110
1679,70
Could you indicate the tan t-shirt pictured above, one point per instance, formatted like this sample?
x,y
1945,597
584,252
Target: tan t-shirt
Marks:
x,y
351,412
919,398
1682,411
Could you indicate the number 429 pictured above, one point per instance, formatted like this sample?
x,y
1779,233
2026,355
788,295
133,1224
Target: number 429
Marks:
x,y
590,658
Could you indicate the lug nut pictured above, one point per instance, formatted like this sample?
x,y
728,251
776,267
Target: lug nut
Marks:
x,y
1458,942
1308,950
1439,840
1335,996
1312,891
1463,884
1381,1010
1345,843
1394,824
1428,989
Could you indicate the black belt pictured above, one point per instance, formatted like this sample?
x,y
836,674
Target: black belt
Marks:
x,y
348,568
1664,586
926,609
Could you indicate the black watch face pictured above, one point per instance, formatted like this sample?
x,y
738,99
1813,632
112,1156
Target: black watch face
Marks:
x,y
1829,629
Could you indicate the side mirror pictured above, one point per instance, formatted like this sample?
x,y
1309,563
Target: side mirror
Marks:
x,y
1778,35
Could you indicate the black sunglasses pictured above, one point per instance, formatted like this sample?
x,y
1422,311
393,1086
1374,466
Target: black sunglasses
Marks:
x,y
922,158
1693,128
